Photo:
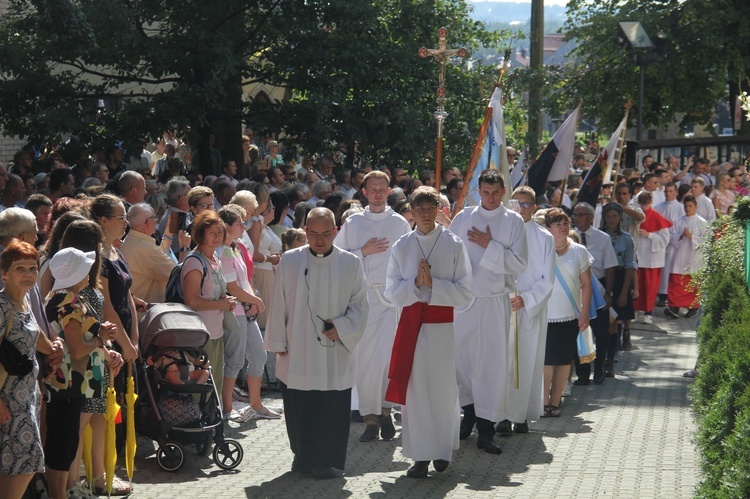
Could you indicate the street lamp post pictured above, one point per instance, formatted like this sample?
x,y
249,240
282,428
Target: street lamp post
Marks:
x,y
633,34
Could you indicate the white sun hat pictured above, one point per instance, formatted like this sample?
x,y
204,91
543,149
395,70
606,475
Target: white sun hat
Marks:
x,y
70,266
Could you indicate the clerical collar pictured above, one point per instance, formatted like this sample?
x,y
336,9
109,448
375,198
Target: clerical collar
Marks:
x,y
320,255
485,211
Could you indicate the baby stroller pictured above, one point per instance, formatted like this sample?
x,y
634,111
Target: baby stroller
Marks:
x,y
176,415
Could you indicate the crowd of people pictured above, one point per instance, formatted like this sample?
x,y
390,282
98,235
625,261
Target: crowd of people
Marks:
x,y
381,300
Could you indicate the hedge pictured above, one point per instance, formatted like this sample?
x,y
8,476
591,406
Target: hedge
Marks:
x,y
721,393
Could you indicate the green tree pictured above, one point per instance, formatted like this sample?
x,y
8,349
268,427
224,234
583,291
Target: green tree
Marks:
x,y
351,66
705,60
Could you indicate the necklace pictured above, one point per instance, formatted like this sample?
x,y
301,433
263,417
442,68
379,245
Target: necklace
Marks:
x,y
563,248
430,253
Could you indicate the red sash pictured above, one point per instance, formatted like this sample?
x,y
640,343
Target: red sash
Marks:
x,y
248,261
405,343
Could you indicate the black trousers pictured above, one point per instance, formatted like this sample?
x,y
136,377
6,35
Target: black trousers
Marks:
x,y
600,328
484,426
317,423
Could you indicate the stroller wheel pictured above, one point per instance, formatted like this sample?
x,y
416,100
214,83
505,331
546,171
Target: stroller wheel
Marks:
x,y
170,456
228,455
203,448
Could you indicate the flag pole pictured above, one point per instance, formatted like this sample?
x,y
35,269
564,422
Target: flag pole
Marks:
x,y
621,141
483,130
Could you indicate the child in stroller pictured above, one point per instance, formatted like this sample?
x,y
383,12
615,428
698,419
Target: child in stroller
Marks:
x,y
179,367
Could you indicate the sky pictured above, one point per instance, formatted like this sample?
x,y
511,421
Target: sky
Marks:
x,y
546,2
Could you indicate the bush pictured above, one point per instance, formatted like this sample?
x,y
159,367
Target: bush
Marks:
x,y
721,394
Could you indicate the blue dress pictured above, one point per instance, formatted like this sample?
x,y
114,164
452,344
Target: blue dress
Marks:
x,y
20,438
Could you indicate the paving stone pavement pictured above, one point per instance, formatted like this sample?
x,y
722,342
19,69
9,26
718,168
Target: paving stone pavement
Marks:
x,y
631,437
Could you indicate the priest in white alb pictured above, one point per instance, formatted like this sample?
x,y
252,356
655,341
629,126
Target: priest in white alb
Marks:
x,y
370,235
495,239
316,318
428,275
535,284
672,210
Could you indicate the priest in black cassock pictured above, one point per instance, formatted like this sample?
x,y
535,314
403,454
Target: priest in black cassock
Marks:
x,y
316,317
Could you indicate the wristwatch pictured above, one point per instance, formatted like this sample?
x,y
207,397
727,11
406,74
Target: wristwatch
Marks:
x,y
185,249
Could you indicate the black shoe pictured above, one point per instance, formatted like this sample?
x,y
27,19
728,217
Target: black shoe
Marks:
x,y
357,417
672,313
627,344
488,445
325,473
609,368
466,430
691,313
521,427
440,465
504,427
419,470
599,378
387,430
370,434
662,301
582,382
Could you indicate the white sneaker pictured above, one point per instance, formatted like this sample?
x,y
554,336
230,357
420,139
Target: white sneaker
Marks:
x,y
567,389
648,319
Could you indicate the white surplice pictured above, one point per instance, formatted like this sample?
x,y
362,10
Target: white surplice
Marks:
x,y
483,355
706,209
307,289
373,353
672,211
535,286
430,416
651,250
688,257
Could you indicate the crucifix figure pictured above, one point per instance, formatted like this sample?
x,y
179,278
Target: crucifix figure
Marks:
x,y
441,54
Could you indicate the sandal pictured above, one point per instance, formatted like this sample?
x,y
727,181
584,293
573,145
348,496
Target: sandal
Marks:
x,y
119,487
546,411
554,411
266,413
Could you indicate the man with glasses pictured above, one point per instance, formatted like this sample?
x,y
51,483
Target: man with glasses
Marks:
x,y
315,320
429,274
100,171
530,303
599,244
495,239
148,264
370,235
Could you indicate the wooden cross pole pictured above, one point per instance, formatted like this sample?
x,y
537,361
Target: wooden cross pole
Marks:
x,y
441,54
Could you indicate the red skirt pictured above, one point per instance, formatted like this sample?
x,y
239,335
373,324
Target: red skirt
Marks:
x,y
681,294
648,288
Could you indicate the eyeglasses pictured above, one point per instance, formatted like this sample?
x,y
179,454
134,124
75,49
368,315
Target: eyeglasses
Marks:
x,y
323,236
204,206
525,205
124,218
153,218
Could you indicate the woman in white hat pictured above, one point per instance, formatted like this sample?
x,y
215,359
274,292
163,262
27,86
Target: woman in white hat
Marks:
x,y
86,342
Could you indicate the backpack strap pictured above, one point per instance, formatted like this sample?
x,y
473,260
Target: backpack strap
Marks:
x,y
197,255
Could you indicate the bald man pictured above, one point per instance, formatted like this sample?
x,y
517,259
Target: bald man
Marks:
x,y
315,320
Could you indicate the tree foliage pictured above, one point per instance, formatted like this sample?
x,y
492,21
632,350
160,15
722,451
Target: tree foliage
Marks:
x,y
705,60
351,67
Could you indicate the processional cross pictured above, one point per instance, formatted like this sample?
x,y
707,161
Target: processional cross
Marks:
x,y
441,54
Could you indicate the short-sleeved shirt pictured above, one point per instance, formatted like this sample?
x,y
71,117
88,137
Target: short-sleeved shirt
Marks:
x,y
235,270
576,260
75,377
214,287
624,247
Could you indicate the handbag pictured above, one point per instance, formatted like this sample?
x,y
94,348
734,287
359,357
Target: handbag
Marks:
x,y
14,362
585,340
